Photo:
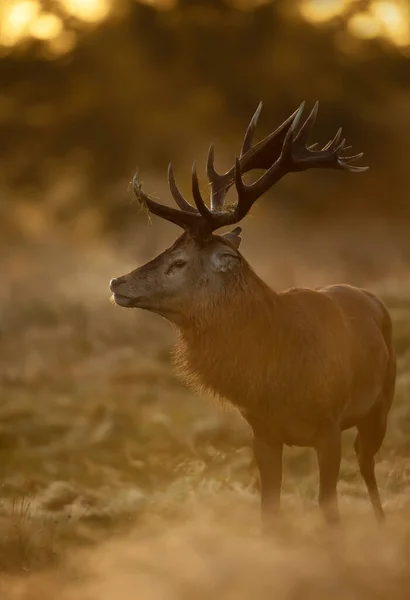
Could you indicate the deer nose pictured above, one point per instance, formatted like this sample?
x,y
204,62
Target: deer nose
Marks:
x,y
114,283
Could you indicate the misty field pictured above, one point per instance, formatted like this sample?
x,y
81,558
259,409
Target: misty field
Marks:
x,y
116,481
115,477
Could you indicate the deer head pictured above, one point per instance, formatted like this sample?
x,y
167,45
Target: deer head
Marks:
x,y
201,264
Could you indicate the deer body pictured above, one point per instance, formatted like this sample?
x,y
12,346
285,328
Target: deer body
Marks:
x,y
291,362
300,365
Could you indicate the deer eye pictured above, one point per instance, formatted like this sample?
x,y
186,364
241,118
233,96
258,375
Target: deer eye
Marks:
x,y
177,264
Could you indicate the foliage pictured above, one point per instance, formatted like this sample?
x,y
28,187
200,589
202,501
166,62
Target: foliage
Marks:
x,y
145,86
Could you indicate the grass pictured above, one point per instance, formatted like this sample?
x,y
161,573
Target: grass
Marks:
x,y
104,453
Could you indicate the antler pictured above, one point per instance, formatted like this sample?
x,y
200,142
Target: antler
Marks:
x,y
283,151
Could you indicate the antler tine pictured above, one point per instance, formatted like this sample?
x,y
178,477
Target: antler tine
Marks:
x,y
239,183
354,157
247,141
219,183
245,196
343,164
291,134
176,194
184,219
199,201
332,145
309,123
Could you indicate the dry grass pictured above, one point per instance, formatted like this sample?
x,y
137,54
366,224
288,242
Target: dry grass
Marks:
x,y
98,439
219,554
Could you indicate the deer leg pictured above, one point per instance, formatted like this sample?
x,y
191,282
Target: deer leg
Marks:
x,y
365,459
269,461
328,450
371,432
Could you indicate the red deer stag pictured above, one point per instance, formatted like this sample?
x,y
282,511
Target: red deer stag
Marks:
x,y
300,365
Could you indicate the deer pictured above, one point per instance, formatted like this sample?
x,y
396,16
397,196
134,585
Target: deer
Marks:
x,y
300,365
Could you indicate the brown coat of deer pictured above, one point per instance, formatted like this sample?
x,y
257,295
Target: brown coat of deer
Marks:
x,y
300,365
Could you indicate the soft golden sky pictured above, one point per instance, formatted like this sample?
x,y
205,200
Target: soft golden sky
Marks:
x,y
24,19
389,19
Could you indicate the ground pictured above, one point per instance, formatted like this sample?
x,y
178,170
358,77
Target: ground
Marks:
x,y
106,456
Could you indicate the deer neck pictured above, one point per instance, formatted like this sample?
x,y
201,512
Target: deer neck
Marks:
x,y
231,338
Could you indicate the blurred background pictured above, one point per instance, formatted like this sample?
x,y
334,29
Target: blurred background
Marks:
x,y
93,89
94,426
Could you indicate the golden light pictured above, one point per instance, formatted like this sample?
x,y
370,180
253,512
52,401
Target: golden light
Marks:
x,y
15,21
364,25
62,44
46,26
394,19
384,18
90,11
320,11
160,4
247,5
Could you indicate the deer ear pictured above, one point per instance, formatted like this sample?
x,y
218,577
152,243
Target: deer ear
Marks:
x,y
233,237
225,260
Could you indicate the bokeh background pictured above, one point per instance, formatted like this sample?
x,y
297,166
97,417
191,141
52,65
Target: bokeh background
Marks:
x,y
93,89
96,432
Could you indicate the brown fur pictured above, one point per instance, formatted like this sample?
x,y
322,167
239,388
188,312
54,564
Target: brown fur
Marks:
x,y
301,365
292,361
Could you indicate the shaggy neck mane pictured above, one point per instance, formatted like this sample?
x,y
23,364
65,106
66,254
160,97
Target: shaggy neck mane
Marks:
x,y
230,337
